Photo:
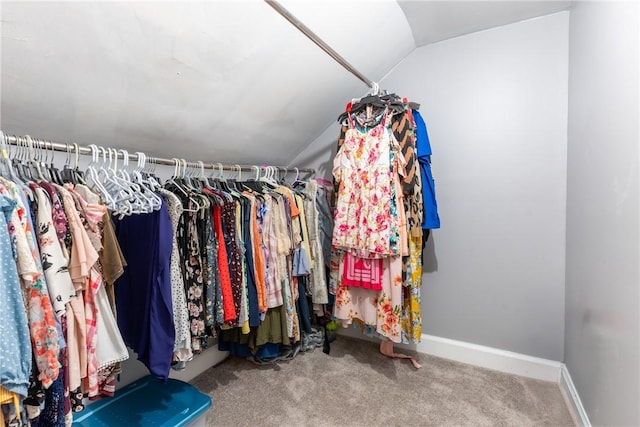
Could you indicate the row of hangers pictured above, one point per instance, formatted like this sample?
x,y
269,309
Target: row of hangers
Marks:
x,y
191,180
374,102
124,191
32,160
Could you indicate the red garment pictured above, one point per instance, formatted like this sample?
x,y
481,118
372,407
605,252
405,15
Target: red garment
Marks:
x,y
223,263
362,273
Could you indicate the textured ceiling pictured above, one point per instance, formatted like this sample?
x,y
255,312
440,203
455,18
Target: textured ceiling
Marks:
x,y
221,81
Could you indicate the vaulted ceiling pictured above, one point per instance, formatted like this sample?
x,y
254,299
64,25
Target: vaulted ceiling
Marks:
x,y
221,81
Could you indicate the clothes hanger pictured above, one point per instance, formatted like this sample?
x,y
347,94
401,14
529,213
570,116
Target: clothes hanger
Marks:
x,y
378,100
235,185
6,159
253,184
18,162
150,174
50,155
92,176
234,176
282,178
148,187
210,196
186,179
221,182
193,178
29,173
260,184
16,172
67,174
297,180
172,183
121,194
140,203
143,194
53,171
33,159
78,174
269,176
38,154
201,176
239,182
187,174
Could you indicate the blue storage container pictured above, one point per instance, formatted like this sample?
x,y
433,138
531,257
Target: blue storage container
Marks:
x,y
148,402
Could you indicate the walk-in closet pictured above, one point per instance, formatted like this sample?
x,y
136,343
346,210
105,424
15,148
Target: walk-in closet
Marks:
x,y
319,213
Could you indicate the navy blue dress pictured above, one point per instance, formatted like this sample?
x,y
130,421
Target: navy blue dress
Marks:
x,y
143,292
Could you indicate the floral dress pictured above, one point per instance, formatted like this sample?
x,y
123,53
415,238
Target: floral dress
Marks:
x,y
378,311
363,222
44,333
375,311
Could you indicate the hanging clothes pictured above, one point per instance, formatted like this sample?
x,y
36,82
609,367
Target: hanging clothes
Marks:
x,y
45,336
109,348
234,261
387,305
431,217
15,345
363,222
143,292
182,344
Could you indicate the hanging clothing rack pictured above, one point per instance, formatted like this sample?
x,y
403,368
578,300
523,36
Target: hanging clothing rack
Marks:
x,y
318,41
41,144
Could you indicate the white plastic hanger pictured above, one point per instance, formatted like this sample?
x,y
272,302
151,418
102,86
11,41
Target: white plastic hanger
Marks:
x,y
151,170
155,201
92,176
139,200
268,177
120,192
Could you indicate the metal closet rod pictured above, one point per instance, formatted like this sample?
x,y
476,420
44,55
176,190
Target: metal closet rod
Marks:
x,y
71,148
317,40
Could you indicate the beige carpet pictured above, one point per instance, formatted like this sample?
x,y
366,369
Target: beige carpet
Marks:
x,y
356,386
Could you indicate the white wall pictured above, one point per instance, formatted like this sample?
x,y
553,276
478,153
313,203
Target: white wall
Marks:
x,y
602,299
495,103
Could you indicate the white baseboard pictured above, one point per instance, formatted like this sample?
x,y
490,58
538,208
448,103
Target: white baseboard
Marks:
x,y
491,358
133,369
566,384
480,355
200,363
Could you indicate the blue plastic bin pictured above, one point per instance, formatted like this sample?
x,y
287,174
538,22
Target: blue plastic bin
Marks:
x,y
148,402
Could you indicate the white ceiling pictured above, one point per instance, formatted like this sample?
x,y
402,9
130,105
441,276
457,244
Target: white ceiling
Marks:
x,y
434,21
222,81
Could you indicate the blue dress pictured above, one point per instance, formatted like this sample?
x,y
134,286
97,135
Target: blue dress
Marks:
x,y
143,292
431,219
15,344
